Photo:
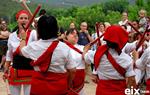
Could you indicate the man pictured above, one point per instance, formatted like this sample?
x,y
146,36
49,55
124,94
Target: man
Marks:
x,y
84,36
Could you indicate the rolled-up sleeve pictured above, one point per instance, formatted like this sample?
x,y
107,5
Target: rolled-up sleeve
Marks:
x,y
89,56
71,63
141,63
9,54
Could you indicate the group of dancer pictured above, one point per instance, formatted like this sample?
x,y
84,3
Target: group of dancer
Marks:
x,y
42,63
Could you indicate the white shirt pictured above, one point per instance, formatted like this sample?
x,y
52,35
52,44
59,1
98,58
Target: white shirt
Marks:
x,y
14,41
125,23
106,71
144,62
61,58
78,57
128,48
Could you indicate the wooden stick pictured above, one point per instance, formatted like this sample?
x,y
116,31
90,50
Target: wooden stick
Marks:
x,y
134,28
97,31
142,39
92,43
31,20
27,8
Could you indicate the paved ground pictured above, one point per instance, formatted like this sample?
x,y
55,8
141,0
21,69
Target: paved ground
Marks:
x,y
89,88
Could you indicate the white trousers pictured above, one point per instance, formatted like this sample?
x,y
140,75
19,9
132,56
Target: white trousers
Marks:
x,y
16,89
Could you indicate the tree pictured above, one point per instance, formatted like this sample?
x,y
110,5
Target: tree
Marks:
x,y
115,5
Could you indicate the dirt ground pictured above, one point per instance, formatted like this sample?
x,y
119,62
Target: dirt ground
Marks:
x,y
89,87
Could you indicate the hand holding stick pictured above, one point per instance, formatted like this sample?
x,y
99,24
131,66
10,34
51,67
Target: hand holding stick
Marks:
x,y
142,39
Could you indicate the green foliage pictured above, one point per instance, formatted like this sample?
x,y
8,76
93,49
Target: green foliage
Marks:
x,y
113,17
140,3
133,12
115,5
108,11
65,21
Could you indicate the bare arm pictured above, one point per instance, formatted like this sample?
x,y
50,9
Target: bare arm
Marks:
x,y
71,74
3,37
131,82
6,66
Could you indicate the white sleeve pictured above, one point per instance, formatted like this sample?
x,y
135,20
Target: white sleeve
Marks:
x,y
144,59
35,38
9,54
126,62
71,63
130,71
89,56
129,47
28,51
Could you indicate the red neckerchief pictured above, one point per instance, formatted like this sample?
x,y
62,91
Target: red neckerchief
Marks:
x,y
104,50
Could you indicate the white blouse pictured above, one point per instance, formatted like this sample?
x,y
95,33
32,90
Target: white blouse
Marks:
x,y
61,58
106,71
14,41
144,62
78,57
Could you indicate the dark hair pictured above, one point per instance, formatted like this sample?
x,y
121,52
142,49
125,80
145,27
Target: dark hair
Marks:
x,y
111,44
71,30
47,27
61,30
42,12
125,27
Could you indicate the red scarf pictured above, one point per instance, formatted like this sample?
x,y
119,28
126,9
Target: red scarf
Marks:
x,y
114,34
45,59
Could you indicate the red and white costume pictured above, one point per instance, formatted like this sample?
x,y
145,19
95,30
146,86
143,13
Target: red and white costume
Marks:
x,y
16,73
111,67
51,61
78,82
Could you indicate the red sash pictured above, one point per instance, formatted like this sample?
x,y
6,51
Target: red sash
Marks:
x,y
100,52
28,35
45,59
49,83
73,47
111,87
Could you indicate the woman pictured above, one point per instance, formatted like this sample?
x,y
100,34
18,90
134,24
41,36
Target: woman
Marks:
x,y
53,63
78,81
21,70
